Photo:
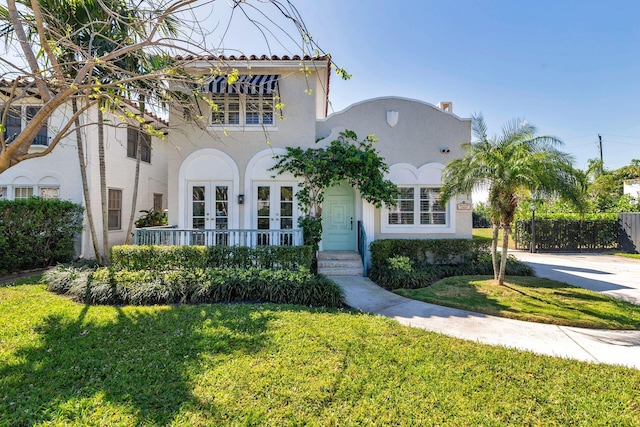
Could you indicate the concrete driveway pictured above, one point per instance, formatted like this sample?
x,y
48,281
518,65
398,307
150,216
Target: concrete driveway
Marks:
x,y
615,276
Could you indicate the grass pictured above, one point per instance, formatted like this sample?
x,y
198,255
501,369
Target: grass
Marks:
x,y
532,299
633,256
63,363
487,234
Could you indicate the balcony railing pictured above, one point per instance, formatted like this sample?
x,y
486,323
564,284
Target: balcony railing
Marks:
x,y
39,140
186,237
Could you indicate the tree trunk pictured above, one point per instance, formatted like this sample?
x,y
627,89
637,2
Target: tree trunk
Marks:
x,y
85,184
103,189
506,229
494,250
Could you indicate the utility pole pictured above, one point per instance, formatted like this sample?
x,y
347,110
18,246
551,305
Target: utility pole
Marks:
x,y
601,160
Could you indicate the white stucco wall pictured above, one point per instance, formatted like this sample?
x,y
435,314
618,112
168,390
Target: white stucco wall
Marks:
x,y
424,139
304,100
61,166
632,188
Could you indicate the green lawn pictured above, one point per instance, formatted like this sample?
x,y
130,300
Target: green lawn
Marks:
x,y
532,299
634,256
63,363
487,234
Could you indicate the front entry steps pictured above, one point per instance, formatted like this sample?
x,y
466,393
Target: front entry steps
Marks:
x,y
340,263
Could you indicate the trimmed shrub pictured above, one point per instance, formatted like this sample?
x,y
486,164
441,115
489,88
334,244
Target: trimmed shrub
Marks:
x,y
37,233
162,258
428,251
411,264
212,285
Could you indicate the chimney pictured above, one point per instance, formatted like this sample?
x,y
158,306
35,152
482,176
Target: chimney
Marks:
x,y
446,106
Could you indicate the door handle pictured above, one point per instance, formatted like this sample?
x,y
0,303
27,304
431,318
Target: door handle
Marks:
x,y
352,223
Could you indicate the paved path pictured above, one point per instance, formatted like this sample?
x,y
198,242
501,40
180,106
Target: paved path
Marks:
x,y
615,276
599,346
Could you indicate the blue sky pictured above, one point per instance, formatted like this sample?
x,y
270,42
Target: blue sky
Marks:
x,y
572,68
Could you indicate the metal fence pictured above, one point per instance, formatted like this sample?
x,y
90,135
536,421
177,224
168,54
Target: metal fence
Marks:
x,y
567,235
630,232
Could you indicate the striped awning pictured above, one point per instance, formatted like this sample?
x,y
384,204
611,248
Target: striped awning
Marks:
x,y
261,84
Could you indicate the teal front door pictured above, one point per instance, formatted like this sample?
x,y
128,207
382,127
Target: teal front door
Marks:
x,y
339,224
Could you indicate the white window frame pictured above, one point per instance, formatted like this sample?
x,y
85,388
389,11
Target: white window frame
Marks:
x,y
23,111
21,188
224,101
4,195
132,145
416,227
54,189
111,209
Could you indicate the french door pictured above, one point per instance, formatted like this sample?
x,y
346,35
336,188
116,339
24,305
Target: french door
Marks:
x,y
275,210
209,210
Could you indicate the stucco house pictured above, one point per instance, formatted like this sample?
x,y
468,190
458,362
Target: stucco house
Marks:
x,y
219,178
57,175
216,184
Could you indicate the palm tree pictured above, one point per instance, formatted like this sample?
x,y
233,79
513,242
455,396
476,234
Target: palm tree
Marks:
x,y
515,164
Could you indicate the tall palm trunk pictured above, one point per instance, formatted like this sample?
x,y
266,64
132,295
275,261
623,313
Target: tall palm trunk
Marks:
x,y
506,230
494,250
103,188
85,184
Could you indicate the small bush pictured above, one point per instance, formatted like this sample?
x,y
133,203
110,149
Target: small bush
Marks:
x,y
37,233
212,285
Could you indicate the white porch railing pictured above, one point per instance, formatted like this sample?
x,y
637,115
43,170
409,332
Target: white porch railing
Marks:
x,y
186,237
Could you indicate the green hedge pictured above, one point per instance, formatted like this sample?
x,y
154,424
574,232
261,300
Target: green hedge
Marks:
x,y
412,264
211,285
430,251
37,233
162,258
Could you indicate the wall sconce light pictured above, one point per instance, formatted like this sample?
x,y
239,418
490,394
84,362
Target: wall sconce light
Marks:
x,y
241,199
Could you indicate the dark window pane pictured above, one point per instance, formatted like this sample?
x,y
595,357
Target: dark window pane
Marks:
x,y
222,193
286,209
198,209
221,209
286,193
263,193
198,193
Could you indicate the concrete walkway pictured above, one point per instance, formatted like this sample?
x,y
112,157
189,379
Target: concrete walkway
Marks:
x,y
598,346
615,276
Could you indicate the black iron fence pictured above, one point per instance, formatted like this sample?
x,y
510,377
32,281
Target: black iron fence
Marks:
x,y
567,235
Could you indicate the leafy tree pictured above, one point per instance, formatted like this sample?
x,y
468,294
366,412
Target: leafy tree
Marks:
x,y
40,34
606,187
345,159
511,166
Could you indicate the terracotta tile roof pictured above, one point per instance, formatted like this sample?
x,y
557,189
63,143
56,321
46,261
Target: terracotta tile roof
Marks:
x,y
251,58
148,113
34,92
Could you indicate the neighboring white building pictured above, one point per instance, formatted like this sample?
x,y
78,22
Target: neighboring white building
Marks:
x,y
632,188
57,175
